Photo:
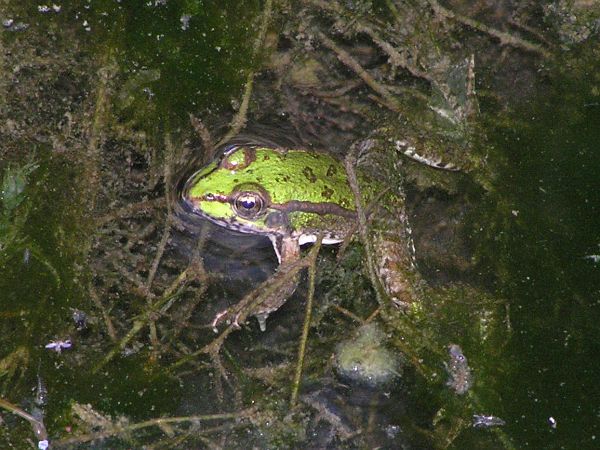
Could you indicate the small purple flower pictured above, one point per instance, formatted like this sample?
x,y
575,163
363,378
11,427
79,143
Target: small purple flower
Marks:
x,y
59,345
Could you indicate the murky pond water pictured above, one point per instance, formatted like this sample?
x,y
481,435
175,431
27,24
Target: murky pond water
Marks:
x,y
119,308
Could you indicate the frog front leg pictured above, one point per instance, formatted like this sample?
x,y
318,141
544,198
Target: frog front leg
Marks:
x,y
287,249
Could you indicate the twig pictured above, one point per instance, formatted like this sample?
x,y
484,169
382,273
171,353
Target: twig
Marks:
x,y
306,327
39,429
159,252
349,314
197,262
504,38
138,285
537,33
146,317
169,151
110,328
346,59
395,58
363,230
204,133
336,91
159,421
130,210
240,118
101,109
393,10
239,121
362,26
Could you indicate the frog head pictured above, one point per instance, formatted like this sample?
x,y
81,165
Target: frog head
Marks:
x,y
229,193
272,191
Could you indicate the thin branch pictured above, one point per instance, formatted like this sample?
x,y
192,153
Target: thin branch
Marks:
x,y
350,314
504,38
39,429
169,152
131,209
158,422
363,26
349,164
395,57
110,328
147,315
239,121
205,136
306,327
346,59
159,252
198,263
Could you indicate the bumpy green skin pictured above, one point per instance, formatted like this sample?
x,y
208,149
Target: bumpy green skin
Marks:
x,y
309,189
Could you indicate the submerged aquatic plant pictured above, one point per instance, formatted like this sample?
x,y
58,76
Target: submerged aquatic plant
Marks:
x,y
13,217
13,187
12,196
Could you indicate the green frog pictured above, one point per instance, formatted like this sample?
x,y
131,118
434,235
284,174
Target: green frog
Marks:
x,y
294,195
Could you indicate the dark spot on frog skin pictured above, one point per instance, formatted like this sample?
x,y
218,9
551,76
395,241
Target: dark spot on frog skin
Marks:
x,y
327,192
331,170
309,174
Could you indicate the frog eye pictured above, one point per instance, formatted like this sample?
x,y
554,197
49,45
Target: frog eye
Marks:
x,y
248,205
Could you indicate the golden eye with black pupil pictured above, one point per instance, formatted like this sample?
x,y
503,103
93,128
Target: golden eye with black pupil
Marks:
x,y
248,205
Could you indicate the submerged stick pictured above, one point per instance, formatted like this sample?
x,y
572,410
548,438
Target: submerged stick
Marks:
x,y
346,59
335,10
116,430
145,318
363,228
239,121
39,429
504,38
130,210
110,328
306,326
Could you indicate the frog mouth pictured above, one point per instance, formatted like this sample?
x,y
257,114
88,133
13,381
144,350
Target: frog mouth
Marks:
x,y
189,206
